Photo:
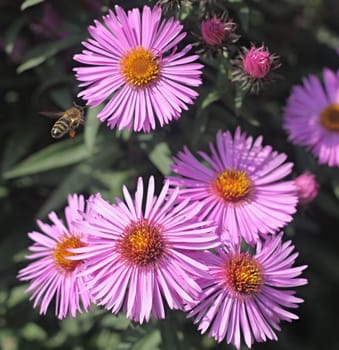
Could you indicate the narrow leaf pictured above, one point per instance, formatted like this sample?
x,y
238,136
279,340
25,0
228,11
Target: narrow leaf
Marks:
x,y
91,127
12,33
160,156
29,3
75,182
210,98
56,155
41,53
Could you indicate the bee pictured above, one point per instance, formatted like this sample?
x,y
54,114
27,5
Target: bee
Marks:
x,y
67,122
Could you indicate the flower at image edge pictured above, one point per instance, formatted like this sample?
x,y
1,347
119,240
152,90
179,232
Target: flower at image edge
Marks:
x,y
140,257
311,116
133,61
247,295
52,275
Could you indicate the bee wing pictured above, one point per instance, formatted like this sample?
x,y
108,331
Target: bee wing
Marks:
x,y
52,115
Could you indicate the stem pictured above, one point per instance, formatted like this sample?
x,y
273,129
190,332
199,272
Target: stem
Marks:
x,y
169,336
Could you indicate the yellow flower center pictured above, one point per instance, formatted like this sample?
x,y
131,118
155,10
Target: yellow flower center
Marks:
x,y
233,185
244,274
61,253
329,117
140,67
142,243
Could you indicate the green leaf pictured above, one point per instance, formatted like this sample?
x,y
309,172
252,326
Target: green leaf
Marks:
x,y
210,98
62,97
138,337
240,94
327,37
113,180
56,155
8,339
75,182
12,33
17,295
17,146
92,124
41,53
244,17
119,322
4,192
32,331
29,3
169,336
150,341
160,156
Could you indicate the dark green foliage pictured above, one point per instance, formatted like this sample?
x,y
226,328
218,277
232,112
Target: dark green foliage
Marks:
x,y
38,172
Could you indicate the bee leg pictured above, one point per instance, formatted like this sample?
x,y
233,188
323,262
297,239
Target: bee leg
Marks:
x,y
72,134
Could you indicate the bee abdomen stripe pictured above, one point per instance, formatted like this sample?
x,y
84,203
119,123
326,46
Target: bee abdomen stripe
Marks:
x,y
63,123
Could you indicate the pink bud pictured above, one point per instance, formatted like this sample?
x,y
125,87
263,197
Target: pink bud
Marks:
x,y
213,31
307,187
257,62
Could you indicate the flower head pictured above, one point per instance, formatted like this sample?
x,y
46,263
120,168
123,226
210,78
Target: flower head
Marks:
x,y
253,67
311,116
133,60
242,186
53,275
138,257
307,187
218,33
246,295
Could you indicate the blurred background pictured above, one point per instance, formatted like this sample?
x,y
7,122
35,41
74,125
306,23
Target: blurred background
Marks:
x,y
37,41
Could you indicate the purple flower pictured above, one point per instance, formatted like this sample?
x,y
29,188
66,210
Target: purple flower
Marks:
x,y
247,295
133,60
241,186
307,187
138,257
53,275
311,116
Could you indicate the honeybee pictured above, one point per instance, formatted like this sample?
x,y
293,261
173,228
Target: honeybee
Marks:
x,y
67,122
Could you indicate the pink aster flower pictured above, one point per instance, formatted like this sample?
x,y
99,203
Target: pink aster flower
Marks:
x,y
241,187
253,67
133,60
52,274
248,294
307,187
311,116
140,257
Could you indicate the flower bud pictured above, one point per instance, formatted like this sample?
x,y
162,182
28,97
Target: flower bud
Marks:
x,y
257,62
214,32
307,187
